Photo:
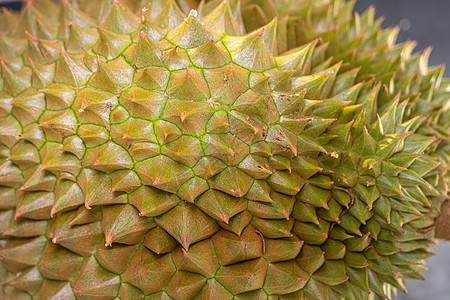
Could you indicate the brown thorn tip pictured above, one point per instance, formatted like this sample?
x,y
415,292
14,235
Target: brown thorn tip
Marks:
x,y
285,214
184,243
224,218
261,32
183,116
18,214
108,240
193,13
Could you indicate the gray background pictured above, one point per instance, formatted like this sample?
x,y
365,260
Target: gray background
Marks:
x,y
428,22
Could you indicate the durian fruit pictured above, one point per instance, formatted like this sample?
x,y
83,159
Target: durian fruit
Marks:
x,y
243,150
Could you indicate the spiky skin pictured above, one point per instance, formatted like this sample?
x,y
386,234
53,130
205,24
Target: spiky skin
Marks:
x,y
221,153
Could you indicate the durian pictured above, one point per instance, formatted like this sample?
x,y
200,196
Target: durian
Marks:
x,y
270,149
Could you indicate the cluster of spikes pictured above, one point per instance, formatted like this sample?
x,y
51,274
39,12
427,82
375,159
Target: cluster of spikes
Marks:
x,y
268,149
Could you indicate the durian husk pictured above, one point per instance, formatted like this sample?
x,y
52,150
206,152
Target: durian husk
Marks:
x,y
137,161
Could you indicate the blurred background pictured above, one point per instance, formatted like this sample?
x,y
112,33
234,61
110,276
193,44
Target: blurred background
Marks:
x,y
427,22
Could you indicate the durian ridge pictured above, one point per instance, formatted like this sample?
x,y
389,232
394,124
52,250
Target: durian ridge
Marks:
x,y
310,136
